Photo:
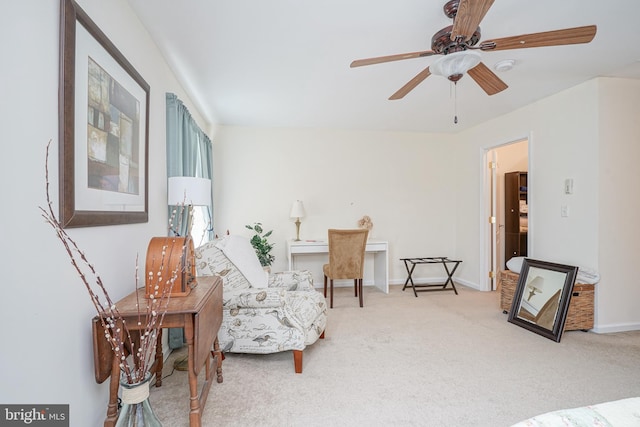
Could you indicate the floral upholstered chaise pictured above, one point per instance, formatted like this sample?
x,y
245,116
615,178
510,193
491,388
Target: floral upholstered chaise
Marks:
x,y
262,313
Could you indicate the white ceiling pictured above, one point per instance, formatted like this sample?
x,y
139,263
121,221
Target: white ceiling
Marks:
x,y
285,63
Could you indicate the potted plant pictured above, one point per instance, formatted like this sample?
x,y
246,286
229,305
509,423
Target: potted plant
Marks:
x,y
261,244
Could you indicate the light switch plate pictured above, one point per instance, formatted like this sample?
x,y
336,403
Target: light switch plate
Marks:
x,y
568,186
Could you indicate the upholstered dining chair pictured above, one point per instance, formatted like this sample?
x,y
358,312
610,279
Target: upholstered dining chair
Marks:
x,y
346,259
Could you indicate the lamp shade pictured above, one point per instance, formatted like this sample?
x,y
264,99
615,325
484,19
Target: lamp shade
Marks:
x,y
297,210
189,190
455,63
537,283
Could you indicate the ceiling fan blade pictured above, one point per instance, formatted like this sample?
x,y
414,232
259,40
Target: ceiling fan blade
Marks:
x,y
381,59
411,84
468,17
567,36
487,79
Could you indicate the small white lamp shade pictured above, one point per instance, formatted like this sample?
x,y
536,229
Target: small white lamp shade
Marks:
x,y
535,287
537,283
189,190
297,210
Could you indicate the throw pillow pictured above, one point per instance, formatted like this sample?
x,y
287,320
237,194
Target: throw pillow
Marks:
x,y
515,264
240,252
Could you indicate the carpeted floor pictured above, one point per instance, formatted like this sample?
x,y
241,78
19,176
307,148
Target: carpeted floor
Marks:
x,y
437,360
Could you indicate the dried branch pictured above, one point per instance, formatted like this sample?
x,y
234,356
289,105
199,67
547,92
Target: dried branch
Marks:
x,y
116,331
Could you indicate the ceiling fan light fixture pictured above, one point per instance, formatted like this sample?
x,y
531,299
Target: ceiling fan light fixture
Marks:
x,y
504,65
455,64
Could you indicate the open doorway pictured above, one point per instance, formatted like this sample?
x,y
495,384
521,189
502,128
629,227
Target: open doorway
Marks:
x,y
501,160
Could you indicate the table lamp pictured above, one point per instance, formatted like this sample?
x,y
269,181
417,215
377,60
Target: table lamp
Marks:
x,y
188,191
162,253
297,212
535,286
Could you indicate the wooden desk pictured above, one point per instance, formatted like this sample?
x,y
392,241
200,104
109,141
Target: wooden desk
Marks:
x,y
200,314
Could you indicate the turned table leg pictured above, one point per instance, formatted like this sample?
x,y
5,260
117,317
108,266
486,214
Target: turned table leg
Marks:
x,y
217,356
114,385
159,359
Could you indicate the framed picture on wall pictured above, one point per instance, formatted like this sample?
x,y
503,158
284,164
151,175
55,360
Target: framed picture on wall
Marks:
x,y
104,128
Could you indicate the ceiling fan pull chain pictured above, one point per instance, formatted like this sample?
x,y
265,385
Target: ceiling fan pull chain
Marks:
x,y
455,103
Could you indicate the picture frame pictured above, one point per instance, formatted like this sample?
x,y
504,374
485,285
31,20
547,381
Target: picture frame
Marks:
x,y
103,128
542,295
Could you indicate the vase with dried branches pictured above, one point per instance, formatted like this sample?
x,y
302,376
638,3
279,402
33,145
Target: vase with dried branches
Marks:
x,y
136,351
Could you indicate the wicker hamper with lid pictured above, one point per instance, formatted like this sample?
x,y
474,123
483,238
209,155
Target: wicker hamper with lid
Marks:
x,y
580,314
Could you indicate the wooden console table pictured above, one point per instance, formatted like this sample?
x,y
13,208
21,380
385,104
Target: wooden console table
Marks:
x,y
200,314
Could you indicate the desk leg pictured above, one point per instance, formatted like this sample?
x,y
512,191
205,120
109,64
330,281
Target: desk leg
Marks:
x,y
381,271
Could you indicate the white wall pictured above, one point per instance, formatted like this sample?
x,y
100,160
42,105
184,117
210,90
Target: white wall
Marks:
x,y
46,354
563,144
575,134
619,195
401,180
415,185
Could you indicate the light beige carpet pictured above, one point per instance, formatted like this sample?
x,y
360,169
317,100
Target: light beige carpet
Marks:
x,y
437,360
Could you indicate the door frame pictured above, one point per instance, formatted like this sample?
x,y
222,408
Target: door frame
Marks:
x,y
488,239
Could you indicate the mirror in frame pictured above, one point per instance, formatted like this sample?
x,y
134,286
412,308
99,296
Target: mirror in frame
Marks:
x,y
542,297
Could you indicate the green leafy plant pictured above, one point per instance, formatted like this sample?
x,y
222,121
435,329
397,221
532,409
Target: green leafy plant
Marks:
x,y
261,244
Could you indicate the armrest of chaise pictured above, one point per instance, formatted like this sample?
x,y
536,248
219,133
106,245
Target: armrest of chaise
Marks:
x,y
295,280
254,298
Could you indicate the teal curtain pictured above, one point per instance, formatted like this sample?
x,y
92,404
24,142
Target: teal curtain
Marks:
x,y
189,153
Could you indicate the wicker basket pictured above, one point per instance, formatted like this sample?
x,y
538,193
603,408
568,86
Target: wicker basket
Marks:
x,y
580,314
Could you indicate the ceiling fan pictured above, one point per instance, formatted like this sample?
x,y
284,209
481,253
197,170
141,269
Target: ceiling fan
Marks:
x,y
459,45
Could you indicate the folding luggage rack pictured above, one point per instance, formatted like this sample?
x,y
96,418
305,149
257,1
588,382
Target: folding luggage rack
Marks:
x,y
411,263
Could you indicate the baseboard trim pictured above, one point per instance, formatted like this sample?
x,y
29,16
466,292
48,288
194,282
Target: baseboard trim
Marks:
x,y
620,327
436,280
418,280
